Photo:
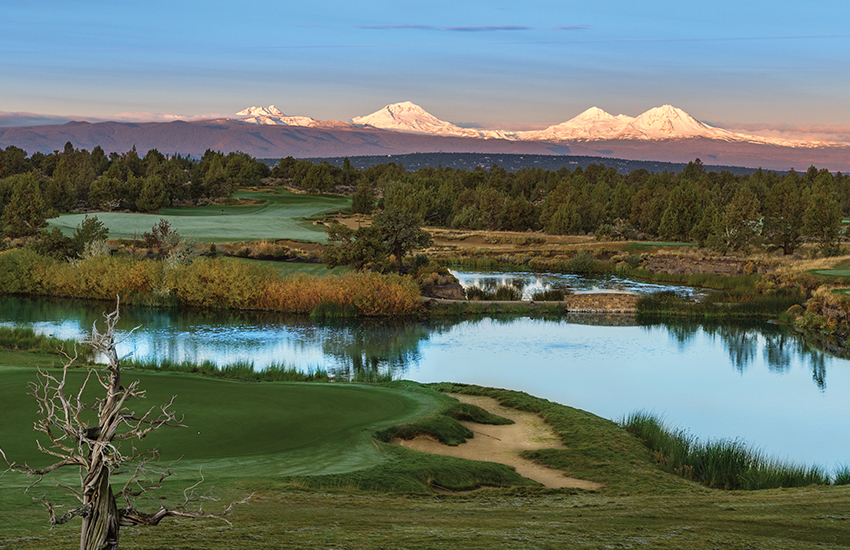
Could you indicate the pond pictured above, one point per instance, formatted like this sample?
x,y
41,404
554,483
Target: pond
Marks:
x,y
528,283
753,381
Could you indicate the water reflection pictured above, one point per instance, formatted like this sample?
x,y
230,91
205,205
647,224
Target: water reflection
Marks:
x,y
371,346
745,341
529,283
750,380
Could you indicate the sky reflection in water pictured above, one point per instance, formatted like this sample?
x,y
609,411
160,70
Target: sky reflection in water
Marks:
x,y
753,381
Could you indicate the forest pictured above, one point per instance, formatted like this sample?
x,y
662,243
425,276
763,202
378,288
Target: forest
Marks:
x,y
720,210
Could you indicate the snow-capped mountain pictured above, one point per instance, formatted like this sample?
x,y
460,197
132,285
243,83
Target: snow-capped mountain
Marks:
x,y
273,116
594,124
659,123
409,117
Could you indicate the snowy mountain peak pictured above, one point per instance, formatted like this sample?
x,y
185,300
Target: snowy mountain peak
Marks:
x,y
271,110
273,116
659,123
668,121
594,113
404,116
410,117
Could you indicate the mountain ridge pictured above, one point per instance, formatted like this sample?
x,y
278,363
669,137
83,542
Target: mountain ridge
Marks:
x,y
594,124
278,141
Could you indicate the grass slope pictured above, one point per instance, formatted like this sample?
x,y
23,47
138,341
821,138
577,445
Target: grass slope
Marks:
x,y
307,428
280,216
250,435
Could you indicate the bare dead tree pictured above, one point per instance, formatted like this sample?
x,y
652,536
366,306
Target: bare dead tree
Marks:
x,y
95,447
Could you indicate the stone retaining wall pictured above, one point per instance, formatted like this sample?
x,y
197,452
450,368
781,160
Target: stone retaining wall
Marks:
x,y
607,302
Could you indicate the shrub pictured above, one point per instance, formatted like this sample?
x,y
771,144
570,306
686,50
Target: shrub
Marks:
x,y
582,262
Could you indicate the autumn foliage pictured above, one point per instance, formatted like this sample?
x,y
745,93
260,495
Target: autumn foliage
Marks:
x,y
205,283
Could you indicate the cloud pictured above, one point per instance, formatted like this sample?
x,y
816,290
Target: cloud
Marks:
x,y
402,27
162,117
489,28
831,133
16,119
482,28
573,28
12,119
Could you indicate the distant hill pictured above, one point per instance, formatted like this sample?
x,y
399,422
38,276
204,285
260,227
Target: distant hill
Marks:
x,y
327,140
513,163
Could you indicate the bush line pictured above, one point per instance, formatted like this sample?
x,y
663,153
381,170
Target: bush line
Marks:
x,y
208,283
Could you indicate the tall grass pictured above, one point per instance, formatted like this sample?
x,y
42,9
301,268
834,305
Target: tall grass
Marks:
x,y
206,283
723,464
237,371
551,295
24,338
842,475
502,293
716,305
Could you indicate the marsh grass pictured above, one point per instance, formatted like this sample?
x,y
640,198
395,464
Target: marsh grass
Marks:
x,y
507,293
551,295
25,339
740,284
723,464
478,293
842,475
235,371
715,305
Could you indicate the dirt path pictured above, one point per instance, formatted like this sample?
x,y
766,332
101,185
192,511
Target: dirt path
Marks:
x,y
504,443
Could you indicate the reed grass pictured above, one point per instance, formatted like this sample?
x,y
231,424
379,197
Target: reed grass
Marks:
x,y
551,295
25,339
842,475
716,306
722,464
478,293
236,371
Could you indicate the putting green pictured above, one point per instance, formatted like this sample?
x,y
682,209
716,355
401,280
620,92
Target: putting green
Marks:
x,y
280,215
238,428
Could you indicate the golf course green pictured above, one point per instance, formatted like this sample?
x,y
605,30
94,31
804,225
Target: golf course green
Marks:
x,y
277,215
284,429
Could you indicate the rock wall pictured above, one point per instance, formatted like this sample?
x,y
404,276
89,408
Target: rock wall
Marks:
x,y
607,302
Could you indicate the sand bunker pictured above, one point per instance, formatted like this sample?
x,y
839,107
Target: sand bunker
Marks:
x,y
504,443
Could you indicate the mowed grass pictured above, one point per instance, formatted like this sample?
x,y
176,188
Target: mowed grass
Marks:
x,y
280,215
271,429
640,507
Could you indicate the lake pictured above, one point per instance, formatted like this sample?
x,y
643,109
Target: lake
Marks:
x,y
753,381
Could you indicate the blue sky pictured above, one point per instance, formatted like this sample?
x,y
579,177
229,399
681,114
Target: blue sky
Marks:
x,y
495,63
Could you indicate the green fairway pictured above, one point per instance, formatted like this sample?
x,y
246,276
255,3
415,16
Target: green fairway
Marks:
x,y
270,429
280,215
253,435
832,272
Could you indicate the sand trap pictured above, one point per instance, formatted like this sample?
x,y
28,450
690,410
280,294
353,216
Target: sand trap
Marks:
x,y
504,443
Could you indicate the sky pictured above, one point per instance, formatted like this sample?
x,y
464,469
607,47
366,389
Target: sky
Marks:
x,y
777,66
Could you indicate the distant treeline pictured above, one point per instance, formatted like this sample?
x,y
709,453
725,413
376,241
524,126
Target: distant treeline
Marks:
x,y
78,179
721,210
512,162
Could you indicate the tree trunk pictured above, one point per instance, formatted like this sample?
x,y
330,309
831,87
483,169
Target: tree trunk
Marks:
x,y
100,526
